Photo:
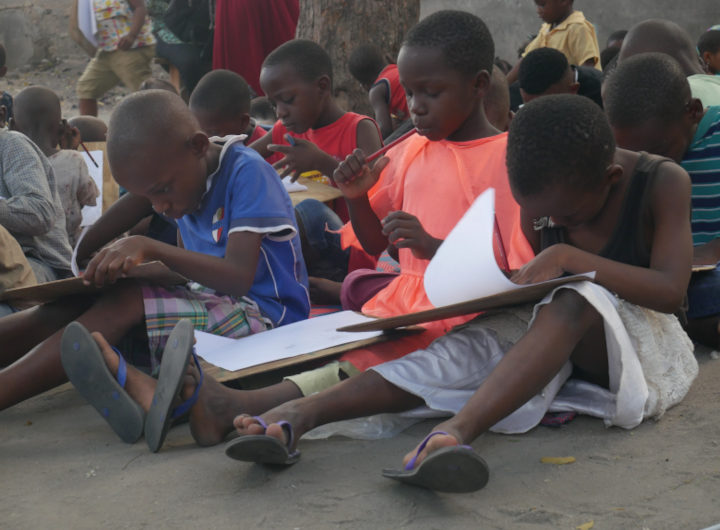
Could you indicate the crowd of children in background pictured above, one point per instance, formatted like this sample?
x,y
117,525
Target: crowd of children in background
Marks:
x,y
626,184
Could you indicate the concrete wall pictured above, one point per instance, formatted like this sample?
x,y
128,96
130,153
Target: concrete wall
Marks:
x,y
512,21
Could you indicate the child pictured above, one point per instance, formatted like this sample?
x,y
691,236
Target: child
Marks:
x,y
221,103
263,112
30,208
38,116
125,48
546,71
382,82
6,100
566,30
297,79
663,36
709,48
650,108
444,64
91,129
633,360
238,243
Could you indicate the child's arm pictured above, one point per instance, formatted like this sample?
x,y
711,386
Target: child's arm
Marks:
x,y
355,178
379,96
661,287
261,145
139,12
304,156
233,275
125,213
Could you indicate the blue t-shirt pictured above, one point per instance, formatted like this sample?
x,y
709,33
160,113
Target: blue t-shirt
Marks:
x,y
702,162
245,194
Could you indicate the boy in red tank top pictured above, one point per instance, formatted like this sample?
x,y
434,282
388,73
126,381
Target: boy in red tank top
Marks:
x,y
382,81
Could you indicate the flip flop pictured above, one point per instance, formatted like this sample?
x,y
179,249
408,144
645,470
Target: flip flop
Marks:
x,y
264,449
86,369
173,367
454,469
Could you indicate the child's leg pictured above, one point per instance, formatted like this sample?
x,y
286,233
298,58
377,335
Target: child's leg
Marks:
x,y
113,315
566,328
22,331
363,395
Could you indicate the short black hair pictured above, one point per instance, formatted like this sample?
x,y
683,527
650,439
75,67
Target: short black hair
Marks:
x,y
616,35
607,55
308,58
262,109
542,68
558,141
463,38
643,87
3,58
709,41
221,91
366,62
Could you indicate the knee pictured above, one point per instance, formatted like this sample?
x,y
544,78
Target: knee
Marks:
x,y
571,310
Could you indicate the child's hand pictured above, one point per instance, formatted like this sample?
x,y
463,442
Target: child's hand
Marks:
x,y
69,136
126,42
354,177
301,157
405,231
545,266
116,260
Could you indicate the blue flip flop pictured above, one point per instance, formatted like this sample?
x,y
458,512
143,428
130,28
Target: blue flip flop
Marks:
x,y
264,449
454,469
173,367
86,369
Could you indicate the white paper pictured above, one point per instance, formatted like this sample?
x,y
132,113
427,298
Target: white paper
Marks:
x,y
73,260
90,214
293,186
295,339
464,266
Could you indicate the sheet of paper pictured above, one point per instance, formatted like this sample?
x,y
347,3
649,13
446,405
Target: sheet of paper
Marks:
x,y
464,267
294,339
90,214
73,261
293,186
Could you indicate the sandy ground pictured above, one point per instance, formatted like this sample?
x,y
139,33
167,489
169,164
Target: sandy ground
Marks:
x,y
62,467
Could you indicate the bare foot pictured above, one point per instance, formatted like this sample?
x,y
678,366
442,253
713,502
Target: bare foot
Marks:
x,y
289,412
140,386
436,442
212,415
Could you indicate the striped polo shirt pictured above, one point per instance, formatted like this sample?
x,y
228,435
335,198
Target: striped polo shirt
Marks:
x,y
702,162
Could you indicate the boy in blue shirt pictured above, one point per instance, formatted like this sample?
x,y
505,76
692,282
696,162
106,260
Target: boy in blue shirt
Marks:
x,y
237,244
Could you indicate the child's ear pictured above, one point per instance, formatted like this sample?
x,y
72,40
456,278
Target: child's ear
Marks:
x,y
482,82
324,83
574,87
613,173
695,110
243,122
706,59
198,143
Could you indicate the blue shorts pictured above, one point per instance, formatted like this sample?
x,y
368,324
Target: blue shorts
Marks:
x,y
704,294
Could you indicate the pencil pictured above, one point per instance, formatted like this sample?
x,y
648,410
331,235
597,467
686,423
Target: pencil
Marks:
x,y
88,154
380,152
501,247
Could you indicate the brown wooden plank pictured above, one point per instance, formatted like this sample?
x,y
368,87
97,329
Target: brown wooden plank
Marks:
x,y
524,295
316,190
223,375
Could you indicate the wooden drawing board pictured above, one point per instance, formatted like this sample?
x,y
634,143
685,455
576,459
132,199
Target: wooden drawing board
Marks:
x,y
531,293
316,190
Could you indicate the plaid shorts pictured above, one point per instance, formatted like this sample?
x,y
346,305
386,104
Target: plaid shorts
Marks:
x,y
229,316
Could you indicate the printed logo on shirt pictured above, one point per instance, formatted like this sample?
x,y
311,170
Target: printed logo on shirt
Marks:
x,y
219,216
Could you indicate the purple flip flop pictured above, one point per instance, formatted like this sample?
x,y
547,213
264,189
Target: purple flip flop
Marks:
x,y
454,469
264,449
